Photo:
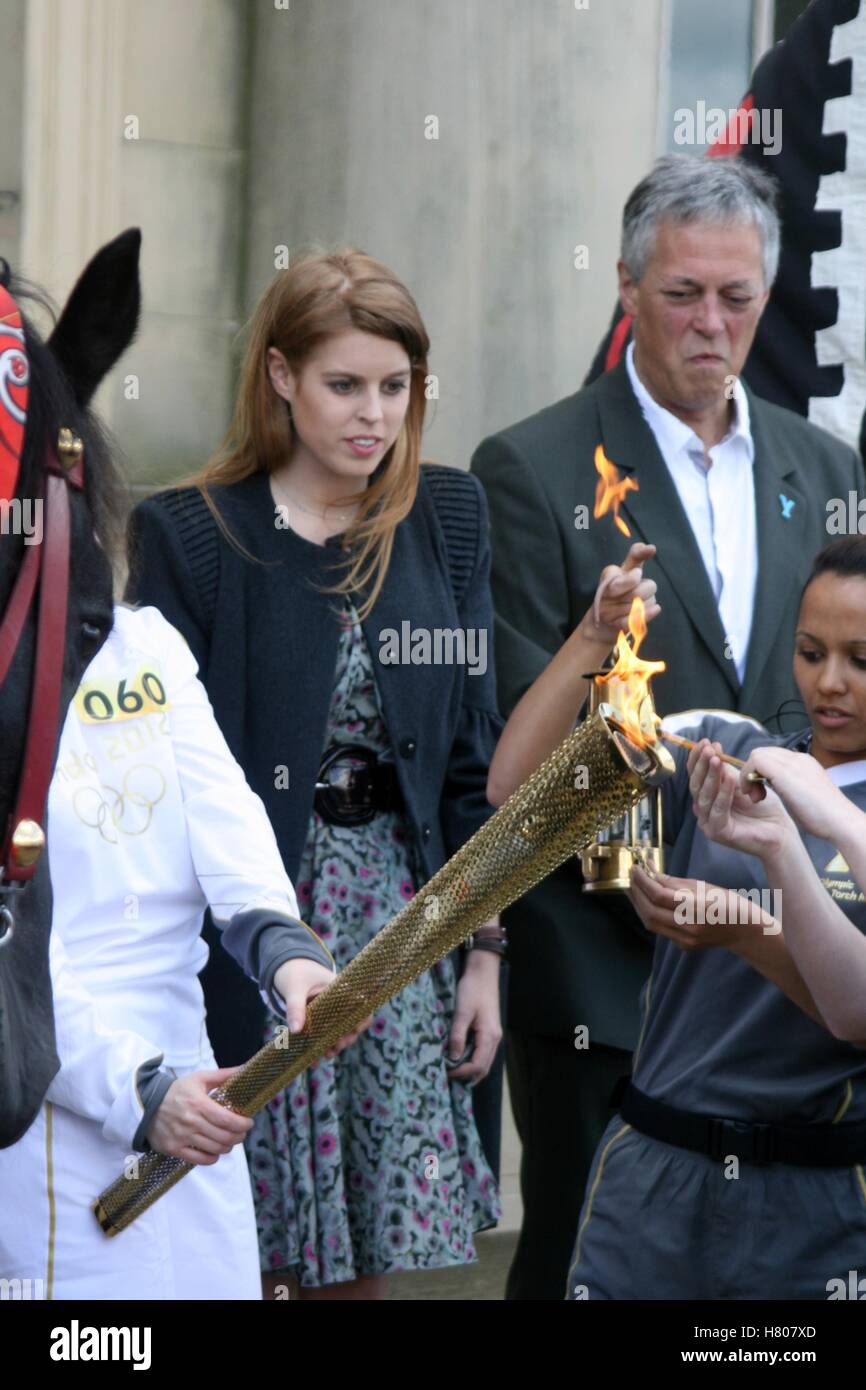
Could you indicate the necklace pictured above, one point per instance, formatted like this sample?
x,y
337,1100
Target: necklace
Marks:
x,y
310,511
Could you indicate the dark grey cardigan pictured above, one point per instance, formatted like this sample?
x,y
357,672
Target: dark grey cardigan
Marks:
x,y
266,638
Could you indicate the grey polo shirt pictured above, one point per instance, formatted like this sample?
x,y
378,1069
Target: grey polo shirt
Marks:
x,y
717,1037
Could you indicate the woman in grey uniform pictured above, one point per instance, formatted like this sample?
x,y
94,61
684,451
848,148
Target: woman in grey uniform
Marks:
x,y
735,1168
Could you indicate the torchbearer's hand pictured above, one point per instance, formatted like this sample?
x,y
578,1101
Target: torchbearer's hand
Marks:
x,y
725,808
675,908
618,586
299,981
816,803
192,1126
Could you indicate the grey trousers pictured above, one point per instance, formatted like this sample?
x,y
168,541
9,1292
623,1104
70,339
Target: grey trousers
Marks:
x,y
661,1222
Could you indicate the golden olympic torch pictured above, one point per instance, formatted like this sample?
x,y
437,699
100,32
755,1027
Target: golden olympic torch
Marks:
x,y
604,767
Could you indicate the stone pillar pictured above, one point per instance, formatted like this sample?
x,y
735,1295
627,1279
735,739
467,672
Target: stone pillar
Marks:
x,y
135,116
11,121
472,146
73,67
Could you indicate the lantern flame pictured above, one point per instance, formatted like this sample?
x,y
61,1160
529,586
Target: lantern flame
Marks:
x,y
610,489
628,680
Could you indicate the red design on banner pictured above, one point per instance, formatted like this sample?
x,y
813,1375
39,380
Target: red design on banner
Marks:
x,y
14,378
732,140
616,347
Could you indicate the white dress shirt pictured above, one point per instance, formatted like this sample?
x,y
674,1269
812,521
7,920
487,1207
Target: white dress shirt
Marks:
x,y
719,501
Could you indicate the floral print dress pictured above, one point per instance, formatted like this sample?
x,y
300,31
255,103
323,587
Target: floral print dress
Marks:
x,y
370,1162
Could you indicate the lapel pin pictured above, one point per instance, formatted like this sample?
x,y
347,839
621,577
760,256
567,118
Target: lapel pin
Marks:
x,y
788,504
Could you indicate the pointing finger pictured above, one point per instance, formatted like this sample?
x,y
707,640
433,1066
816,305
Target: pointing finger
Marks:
x,y
638,554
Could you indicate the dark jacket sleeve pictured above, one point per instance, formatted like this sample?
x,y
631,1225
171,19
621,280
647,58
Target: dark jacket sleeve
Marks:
x,y
261,940
464,807
528,576
160,573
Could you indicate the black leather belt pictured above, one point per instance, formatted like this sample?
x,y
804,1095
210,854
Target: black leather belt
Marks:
x,y
354,784
809,1146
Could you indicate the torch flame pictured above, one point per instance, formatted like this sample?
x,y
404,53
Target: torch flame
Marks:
x,y
628,679
610,489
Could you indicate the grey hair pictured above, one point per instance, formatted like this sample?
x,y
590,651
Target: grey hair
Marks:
x,y
685,188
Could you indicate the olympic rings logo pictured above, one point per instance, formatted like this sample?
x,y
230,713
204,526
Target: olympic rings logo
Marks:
x,y
130,810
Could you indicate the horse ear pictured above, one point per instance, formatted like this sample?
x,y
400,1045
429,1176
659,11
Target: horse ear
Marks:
x,y
100,317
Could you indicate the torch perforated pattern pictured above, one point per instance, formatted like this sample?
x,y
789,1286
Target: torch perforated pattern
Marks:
x,y
582,787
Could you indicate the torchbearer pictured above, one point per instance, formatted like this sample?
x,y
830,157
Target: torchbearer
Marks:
x,y
736,1168
150,821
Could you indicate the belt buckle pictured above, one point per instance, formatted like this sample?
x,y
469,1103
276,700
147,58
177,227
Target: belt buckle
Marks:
x,y
343,801
753,1143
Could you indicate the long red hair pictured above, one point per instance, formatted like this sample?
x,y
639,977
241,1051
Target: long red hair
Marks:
x,y
317,297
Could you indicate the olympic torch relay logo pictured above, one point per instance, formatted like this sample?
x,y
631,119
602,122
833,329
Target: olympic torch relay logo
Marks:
x,y
14,378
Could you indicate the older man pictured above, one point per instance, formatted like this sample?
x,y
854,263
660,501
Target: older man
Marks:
x,y
734,492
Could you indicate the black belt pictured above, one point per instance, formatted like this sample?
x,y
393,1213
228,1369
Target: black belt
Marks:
x,y
810,1146
354,784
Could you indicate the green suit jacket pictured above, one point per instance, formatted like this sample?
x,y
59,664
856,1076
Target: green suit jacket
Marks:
x,y
578,959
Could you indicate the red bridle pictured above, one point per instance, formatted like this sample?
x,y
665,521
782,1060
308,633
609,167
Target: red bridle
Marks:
x,y
46,568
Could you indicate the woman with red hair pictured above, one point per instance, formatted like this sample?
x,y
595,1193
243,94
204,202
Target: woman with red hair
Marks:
x,y
335,592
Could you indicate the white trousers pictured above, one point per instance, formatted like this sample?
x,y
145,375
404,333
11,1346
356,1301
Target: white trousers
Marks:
x,y
197,1242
